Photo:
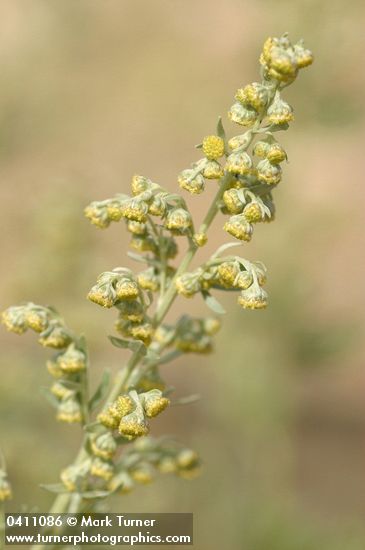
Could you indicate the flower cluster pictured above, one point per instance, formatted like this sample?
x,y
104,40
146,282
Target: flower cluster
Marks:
x,y
138,465
148,199
259,107
193,179
282,60
66,367
189,335
130,412
230,273
247,168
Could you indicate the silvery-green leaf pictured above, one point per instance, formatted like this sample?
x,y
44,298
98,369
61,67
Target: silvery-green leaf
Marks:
x,y
100,391
220,130
187,400
224,247
128,344
52,399
94,494
93,427
213,303
54,488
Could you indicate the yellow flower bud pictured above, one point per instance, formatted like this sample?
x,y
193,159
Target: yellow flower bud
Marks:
x,y
211,325
239,163
233,201
55,337
238,227
254,95
143,244
74,477
283,63
54,369
107,420
188,284
266,51
276,154
114,211
153,402
253,212
141,331
238,141
187,458
126,289
69,410
245,116
131,310
188,464
36,319
142,473
102,294
253,297
227,272
194,344
104,446
14,319
101,468
134,209
213,147
261,149
244,280
158,205
303,57
178,220
133,425
123,406
200,239
140,184
167,465
137,228
149,280
268,173
61,391
279,112
73,360
97,213
191,181
213,170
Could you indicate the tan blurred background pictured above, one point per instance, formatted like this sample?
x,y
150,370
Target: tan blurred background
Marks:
x,y
93,91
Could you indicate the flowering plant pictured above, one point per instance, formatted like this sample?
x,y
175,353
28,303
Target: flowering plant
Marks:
x,y
116,451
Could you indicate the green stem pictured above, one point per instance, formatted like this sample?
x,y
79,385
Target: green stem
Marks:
x,y
171,293
122,381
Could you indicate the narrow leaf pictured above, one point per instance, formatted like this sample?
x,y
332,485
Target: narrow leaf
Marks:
x,y
94,494
128,344
187,400
52,399
93,427
213,304
100,391
137,257
220,130
82,344
224,247
54,488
